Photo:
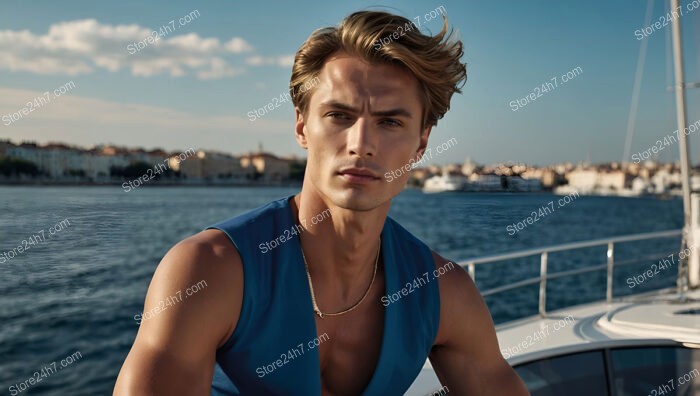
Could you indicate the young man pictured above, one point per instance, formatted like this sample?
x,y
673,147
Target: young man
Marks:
x,y
321,293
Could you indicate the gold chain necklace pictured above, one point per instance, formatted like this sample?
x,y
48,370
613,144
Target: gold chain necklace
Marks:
x,y
311,286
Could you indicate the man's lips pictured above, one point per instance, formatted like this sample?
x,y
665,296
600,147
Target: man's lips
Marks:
x,y
357,174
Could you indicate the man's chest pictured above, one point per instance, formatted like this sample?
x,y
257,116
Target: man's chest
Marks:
x,y
349,356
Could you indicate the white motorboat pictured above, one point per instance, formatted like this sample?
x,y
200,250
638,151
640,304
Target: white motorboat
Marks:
x,y
444,183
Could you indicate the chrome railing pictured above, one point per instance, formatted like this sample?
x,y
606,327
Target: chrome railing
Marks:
x,y
544,252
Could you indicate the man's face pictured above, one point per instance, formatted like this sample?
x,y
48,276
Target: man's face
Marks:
x,y
363,122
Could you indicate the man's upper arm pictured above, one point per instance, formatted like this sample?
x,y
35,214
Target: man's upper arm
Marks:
x,y
466,356
191,308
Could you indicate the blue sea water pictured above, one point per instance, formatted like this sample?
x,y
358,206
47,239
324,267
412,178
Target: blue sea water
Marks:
x,y
79,289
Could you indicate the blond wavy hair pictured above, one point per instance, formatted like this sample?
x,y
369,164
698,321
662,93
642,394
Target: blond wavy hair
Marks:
x,y
381,37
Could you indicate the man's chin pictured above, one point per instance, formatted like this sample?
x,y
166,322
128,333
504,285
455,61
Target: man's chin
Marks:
x,y
358,198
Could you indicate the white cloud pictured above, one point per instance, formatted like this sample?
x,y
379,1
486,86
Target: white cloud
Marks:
x,y
237,45
283,61
84,46
219,69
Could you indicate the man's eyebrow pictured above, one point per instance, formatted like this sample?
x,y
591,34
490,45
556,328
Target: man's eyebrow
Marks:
x,y
392,113
384,113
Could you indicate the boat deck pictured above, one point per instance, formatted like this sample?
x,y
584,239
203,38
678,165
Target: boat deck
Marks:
x,y
650,319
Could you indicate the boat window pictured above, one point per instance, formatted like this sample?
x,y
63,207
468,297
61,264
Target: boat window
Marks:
x,y
580,374
656,371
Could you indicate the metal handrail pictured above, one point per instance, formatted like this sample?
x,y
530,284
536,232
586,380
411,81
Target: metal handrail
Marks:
x,y
562,274
544,254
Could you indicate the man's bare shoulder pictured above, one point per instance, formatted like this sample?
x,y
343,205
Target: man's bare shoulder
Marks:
x,y
207,252
212,243
454,281
206,258
460,300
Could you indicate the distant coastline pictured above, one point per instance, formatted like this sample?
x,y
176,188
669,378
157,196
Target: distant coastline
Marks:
x,y
58,164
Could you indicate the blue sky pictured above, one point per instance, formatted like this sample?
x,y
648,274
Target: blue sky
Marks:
x,y
195,87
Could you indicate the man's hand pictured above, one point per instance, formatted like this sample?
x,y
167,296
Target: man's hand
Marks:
x,y
466,357
191,309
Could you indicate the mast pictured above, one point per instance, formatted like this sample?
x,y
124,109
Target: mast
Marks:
x,y
681,118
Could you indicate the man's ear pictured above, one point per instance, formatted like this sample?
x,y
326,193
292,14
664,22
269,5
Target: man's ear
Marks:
x,y
300,129
423,142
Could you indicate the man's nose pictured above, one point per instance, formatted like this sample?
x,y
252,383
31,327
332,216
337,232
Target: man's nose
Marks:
x,y
360,140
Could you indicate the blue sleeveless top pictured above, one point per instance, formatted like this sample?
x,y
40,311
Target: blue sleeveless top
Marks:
x,y
273,349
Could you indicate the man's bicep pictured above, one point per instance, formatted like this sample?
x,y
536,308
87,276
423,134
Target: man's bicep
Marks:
x,y
151,369
185,318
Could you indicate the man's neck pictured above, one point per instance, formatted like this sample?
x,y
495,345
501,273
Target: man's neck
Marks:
x,y
340,245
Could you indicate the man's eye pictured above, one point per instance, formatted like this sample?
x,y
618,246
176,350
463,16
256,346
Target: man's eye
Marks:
x,y
337,115
391,122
